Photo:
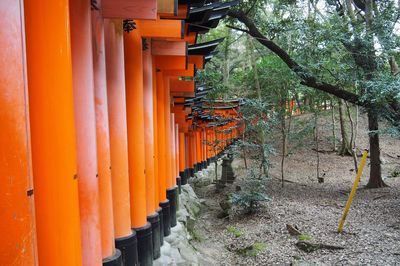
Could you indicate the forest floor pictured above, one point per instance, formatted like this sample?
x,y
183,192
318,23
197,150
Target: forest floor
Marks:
x,y
371,233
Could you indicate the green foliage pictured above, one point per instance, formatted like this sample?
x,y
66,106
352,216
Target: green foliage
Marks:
x,y
196,236
234,231
304,237
395,172
251,194
252,250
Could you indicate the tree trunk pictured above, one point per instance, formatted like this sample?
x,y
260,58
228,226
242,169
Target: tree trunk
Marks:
x,y
244,150
333,126
320,179
283,131
353,147
375,176
345,147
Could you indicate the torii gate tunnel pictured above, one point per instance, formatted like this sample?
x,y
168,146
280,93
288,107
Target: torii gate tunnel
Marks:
x,y
101,122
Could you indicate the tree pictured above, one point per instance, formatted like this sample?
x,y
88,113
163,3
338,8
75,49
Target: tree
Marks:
x,y
357,34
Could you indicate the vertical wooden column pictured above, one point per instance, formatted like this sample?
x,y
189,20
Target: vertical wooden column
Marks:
x,y
53,132
110,254
198,149
177,175
16,189
157,175
162,160
187,155
125,239
83,87
172,192
148,127
182,157
192,152
173,149
204,145
167,134
151,210
136,148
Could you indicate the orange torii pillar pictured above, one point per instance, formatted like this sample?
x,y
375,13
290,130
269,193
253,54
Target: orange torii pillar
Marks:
x,y
187,154
209,145
52,132
125,238
151,206
182,157
197,166
201,139
204,143
85,124
162,169
192,152
157,199
16,189
111,255
174,156
177,155
172,191
136,147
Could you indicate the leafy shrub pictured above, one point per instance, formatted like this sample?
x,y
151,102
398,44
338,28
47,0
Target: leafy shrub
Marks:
x,y
234,231
250,195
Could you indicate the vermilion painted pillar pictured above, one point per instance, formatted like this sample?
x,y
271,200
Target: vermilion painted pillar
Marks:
x,y
178,177
125,238
83,85
182,158
157,200
136,147
192,152
162,160
173,149
167,134
198,149
152,214
110,254
16,189
53,132
172,192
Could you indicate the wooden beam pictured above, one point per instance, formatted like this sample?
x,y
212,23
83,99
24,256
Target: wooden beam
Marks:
x,y
161,47
198,60
189,72
182,94
132,9
168,7
178,85
161,28
182,13
167,62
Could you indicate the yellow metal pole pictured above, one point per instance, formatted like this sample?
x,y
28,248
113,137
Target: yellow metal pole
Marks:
x,y
353,191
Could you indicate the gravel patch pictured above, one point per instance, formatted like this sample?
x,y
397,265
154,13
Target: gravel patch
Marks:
x,y
371,232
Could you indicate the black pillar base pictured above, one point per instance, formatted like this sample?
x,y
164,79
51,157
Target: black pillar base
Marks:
x,y
179,184
128,247
114,260
172,196
166,217
182,174
161,218
208,161
154,220
204,164
195,169
191,172
187,176
145,245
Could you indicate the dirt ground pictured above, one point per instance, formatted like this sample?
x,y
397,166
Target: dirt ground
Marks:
x,y
372,229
